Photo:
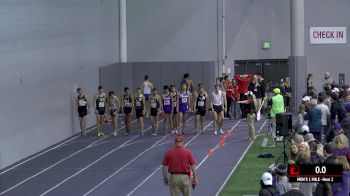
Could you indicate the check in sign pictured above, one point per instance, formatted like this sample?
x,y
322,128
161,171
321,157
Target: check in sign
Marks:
x,y
328,35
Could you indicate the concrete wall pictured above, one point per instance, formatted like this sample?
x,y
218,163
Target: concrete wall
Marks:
x,y
52,46
333,58
117,76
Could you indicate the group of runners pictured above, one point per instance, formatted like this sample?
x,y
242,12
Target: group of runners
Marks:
x,y
172,104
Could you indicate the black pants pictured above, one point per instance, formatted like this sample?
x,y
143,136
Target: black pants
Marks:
x,y
229,102
242,106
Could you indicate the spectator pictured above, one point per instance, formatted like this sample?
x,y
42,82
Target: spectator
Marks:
x,y
303,153
309,80
243,82
316,158
258,90
235,99
294,191
287,93
277,106
283,184
301,114
337,188
262,81
341,146
325,118
307,188
328,154
346,121
298,139
310,138
267,188
327,81
313,115
338,113
229,95
249,102
293,151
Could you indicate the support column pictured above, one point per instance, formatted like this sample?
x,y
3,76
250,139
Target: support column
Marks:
x,y
123,57
297,59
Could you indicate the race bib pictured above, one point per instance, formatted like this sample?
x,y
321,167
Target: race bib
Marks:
x,y
127,104
200,103
138,104
154,105
101,104
82,102
166,102
255,90
184,100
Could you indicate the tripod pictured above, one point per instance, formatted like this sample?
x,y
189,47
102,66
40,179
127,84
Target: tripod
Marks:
x,y
284,152
267,133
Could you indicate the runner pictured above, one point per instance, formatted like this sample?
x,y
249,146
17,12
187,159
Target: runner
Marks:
x,y
113,110
200,108
184,100
146,88
218,102
175,114
155,110
189,87
167,109
140,109
100,104
127,108
83,109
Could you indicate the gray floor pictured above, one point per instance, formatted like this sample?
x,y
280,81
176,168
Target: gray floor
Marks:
x,y
125,165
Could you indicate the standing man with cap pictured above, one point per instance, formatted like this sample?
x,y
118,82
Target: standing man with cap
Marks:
x,y
283,184
277,106
179,162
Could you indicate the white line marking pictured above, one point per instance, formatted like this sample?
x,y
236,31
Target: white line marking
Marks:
x,y
233,170
119,170
155,171
60,161
102,157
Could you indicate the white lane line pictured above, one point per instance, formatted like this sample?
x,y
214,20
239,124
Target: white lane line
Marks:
x,y
233,170
58,162
127,164
44,152
155,171
99,159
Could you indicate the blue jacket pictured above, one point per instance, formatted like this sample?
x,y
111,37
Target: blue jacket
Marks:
x,y
314,115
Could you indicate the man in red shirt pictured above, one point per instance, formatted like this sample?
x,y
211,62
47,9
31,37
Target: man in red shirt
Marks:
x,y
179,162
243,83
229,95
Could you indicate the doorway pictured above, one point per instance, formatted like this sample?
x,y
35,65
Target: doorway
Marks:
x,y
273,70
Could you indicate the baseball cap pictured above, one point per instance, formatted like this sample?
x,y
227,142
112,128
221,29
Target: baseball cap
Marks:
x,y
338,129
277,91
337,126
179,139
306,98
281,169
305,128
335,90
266,178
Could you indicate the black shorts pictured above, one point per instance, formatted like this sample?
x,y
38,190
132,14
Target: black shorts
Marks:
x,y
175,110
82,111
101,111
154,111
113,111
139,113
217,108
201,112
127,110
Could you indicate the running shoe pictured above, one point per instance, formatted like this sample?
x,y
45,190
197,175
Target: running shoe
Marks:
x,y
102,134
173,131
176,132
154,133
142,133
115,133
98,134
215,132
221,131
126,134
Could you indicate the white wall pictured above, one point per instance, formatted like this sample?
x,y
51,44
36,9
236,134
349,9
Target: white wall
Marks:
x,y
45,43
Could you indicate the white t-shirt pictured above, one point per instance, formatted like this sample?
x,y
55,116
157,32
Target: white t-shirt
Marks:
x,y
147,87
325,112
218,98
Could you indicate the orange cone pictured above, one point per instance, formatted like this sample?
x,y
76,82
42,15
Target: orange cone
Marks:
x,y
222,143
228,133
210,152
191,174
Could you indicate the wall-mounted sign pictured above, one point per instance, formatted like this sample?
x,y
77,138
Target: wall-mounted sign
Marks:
x,y
266,45
328,35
